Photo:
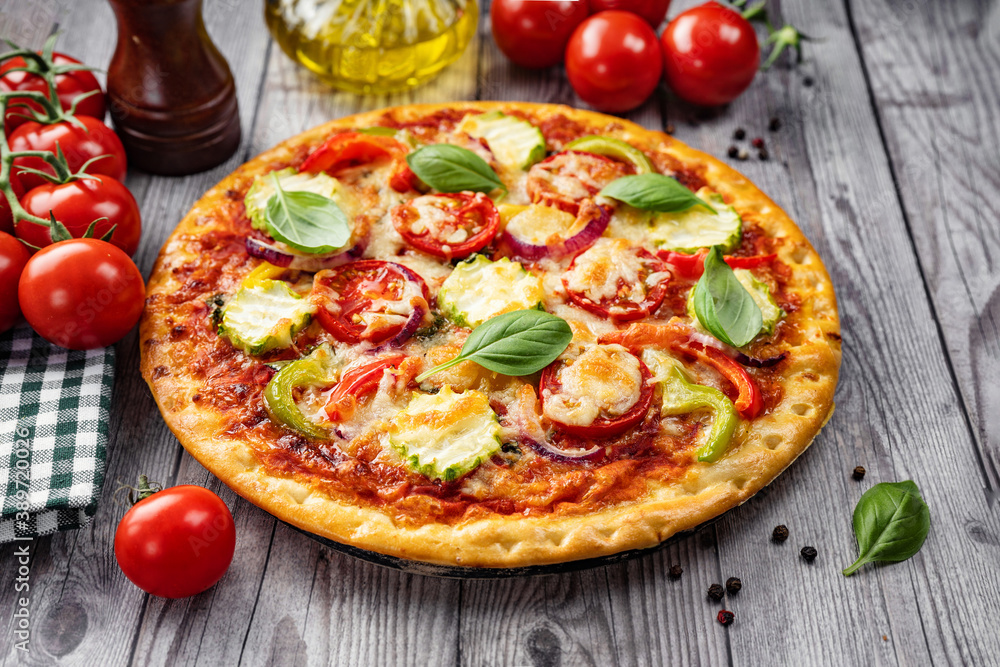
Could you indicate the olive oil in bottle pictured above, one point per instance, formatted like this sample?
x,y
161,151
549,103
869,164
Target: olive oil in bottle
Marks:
x,y
373,46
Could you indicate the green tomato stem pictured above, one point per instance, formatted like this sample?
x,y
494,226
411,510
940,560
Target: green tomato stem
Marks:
x,y
7,157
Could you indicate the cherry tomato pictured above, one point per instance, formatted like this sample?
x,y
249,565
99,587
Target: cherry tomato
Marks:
x,y
79,203
78,145
177,542
81,293
357,382
532,33
602,427
613,61
561,180
13,256
69,86
652,11
448,225
370,300
351,149
6,217
710,54
631,301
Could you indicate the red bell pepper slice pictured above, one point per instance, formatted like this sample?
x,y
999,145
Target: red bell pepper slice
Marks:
x,y
356,383
350,149
748,403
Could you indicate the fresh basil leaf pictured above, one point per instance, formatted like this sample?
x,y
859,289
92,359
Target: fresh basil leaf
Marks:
x,y
891,522
653,192
449,168
306,221
518,343
723,305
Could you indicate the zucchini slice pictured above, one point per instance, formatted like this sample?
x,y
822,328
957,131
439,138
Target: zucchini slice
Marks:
x,y
478,289
761,293
264,316
446,435
516,143
691,230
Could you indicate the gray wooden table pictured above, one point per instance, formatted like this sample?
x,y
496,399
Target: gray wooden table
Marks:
x,y
890,163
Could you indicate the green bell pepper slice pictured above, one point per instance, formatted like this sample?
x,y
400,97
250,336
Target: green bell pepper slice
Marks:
x,y
681,397
279,399
612,148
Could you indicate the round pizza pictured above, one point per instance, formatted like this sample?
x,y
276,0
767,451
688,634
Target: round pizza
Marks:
x,y
490,335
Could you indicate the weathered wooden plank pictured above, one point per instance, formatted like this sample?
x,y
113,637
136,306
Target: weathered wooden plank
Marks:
x,y
85,610
932,73
896,405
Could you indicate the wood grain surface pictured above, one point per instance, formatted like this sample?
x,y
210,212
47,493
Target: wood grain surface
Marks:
x,y
888,162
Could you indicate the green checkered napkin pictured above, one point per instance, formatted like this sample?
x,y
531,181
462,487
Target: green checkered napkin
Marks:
x,y
53,433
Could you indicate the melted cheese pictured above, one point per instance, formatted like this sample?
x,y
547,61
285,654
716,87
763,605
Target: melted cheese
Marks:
x,y
430,213
445,435
609,268
543,225
604,381
567,175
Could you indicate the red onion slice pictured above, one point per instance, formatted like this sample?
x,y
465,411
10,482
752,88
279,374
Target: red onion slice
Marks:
x,y
596,221
292,260
547,449
404,334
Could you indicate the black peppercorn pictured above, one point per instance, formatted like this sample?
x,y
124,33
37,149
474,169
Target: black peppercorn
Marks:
x,y
715,592
670,128
808,554
676,571
763,154
808,82
779,534
774,124
758,142
740,134
733,151
733,585
726,617
859,473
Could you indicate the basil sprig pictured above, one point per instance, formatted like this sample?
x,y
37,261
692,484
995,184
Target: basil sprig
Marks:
x,y
653,192
521,342
449,168
306,221
891,522
723,306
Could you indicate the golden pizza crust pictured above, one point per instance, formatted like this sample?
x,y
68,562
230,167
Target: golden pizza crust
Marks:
x,y
768,445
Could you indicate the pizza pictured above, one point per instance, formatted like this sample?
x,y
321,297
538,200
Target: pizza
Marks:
x,y
490,335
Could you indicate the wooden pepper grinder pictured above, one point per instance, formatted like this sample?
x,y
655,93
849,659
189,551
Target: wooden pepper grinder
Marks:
x,y
173,99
